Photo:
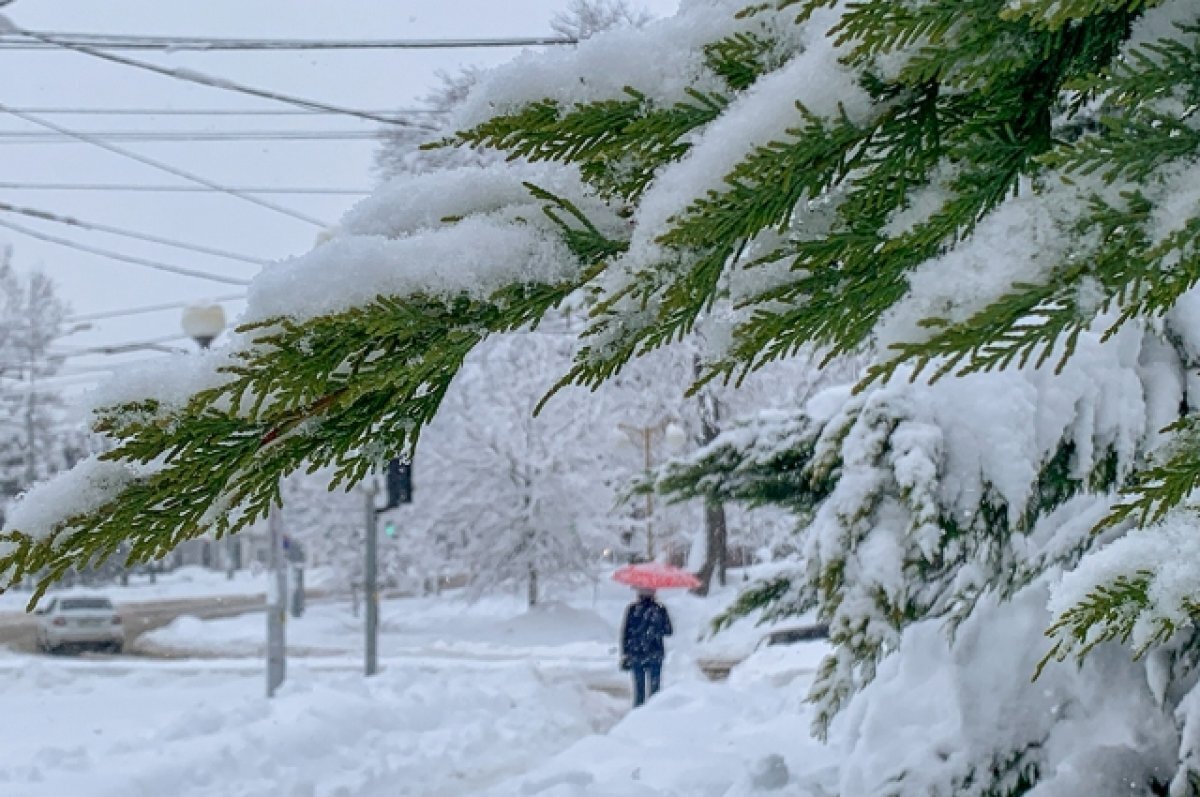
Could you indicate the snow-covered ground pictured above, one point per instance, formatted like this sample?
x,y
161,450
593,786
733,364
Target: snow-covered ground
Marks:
x,y
481,698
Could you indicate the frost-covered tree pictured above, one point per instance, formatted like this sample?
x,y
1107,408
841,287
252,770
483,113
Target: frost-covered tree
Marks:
x,y
518,499
37,438
999,193
400,151
330,525
583,19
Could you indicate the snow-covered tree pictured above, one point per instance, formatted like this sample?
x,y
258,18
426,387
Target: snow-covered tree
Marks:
x,y
518,499
330,525
963,190
37,439
400,151
583,19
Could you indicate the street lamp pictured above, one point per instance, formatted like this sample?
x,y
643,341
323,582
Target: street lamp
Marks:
x,y
203,323
675,437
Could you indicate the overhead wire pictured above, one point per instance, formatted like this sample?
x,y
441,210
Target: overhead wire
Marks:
x,y
149,308
22,137
138,261
11,40
165,167
200,78
151,345
69,111
45,215
22,186
154,344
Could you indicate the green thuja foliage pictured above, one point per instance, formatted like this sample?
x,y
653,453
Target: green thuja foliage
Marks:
x,y
345,391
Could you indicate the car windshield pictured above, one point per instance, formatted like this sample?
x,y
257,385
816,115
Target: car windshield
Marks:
x,y
84,604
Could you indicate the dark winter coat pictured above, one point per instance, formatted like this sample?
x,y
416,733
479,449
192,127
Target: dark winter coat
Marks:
x,y
646,623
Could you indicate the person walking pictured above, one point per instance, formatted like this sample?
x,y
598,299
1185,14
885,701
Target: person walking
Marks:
x,y
642,651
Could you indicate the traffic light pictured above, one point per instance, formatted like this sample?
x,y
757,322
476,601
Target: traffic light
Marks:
x,y
389,529
399,483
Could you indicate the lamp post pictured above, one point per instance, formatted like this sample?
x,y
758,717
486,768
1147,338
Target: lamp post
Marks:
x,y
643,436
203,323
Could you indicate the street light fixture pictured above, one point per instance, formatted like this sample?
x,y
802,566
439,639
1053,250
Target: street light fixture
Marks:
x,y
203,323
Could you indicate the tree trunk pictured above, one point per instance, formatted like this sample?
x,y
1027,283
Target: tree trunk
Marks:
x,y
716,531
718,535
715,539
533,587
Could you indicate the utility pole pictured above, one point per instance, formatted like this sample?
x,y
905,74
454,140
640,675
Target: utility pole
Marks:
x,y
276,605
370,582
398,490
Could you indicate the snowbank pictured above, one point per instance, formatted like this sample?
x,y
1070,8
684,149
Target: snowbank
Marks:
x,y
148,732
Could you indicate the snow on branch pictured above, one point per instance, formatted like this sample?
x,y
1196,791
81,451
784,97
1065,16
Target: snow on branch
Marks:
x,y
1140,589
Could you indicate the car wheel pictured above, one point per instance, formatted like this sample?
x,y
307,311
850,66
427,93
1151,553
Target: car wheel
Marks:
x,y
115,648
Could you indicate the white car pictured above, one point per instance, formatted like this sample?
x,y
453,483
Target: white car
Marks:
x,y
79,620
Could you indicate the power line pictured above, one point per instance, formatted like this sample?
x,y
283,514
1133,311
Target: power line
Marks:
x,y
151,344
46,215
36,137
164,167
16,186
61,111
191,76
84,372
49,39
150,308
137,261
154,344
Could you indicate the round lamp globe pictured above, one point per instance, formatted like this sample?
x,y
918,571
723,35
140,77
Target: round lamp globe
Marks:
x,y
203,322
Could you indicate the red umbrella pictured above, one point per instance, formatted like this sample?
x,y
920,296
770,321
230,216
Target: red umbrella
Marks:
x,y
655,575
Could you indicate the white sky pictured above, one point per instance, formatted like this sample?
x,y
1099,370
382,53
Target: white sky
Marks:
x,y
357,79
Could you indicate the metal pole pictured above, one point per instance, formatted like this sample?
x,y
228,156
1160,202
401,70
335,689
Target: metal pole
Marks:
x,y
370,585
276,605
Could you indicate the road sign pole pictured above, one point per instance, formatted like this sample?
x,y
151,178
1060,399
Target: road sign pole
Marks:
x,y
276,605
370,583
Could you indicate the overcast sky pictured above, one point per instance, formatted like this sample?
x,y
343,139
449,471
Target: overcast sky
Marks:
x,y
359,79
